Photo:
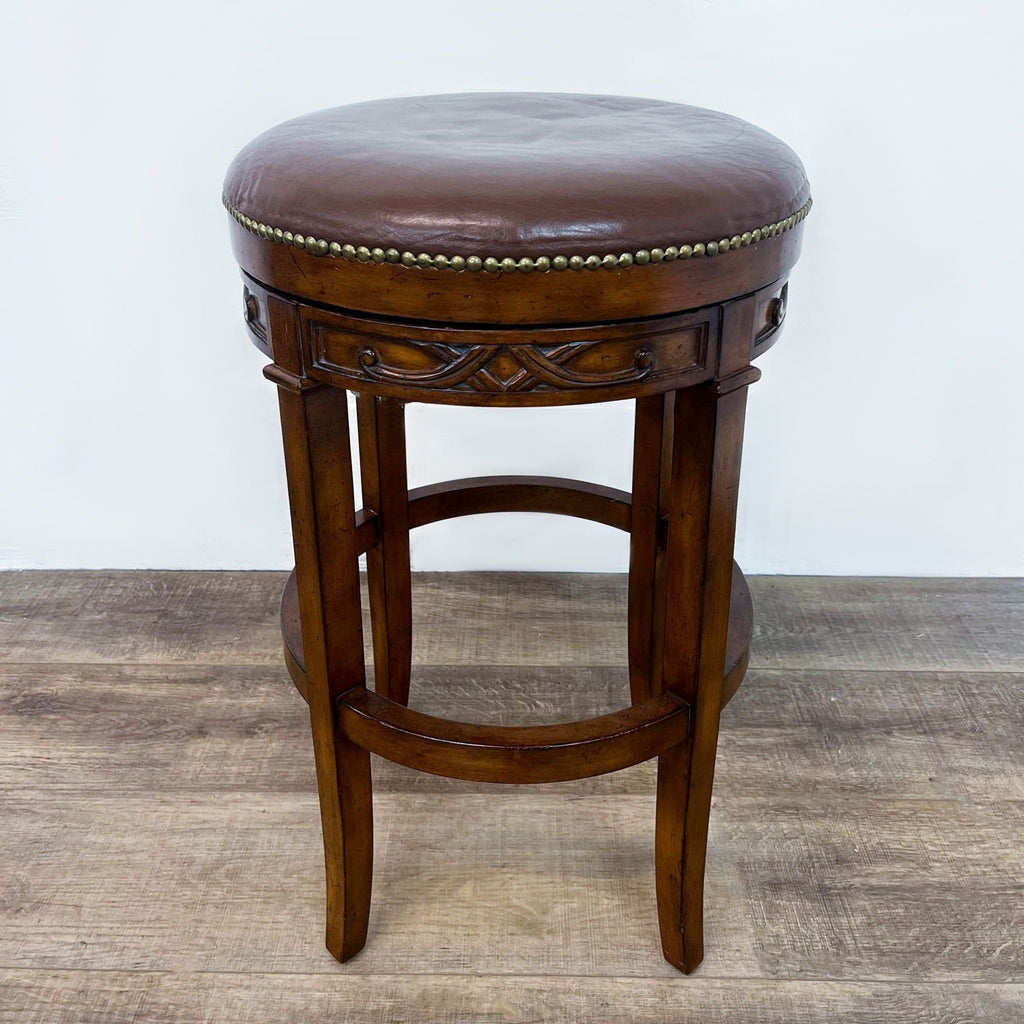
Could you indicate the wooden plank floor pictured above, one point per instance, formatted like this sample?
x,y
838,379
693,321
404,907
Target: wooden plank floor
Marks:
x,y
159,843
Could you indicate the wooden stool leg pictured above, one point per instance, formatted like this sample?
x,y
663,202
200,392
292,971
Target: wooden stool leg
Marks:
x,y
319,468
702,488
652,440
643,542
385,490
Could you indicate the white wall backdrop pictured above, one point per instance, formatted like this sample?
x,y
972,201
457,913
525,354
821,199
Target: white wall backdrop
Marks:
x,y
137,430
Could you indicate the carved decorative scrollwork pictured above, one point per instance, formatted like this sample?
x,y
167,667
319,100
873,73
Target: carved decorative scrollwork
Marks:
x,y
554,367
503,368
475,366
453,365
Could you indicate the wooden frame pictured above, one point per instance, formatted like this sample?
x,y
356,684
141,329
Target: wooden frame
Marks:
x,y
689,609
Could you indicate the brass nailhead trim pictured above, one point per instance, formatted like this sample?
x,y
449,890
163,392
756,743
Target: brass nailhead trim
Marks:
x,y
525,265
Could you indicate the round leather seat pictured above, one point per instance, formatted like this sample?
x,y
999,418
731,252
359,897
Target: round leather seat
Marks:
x,y
500,185
516,175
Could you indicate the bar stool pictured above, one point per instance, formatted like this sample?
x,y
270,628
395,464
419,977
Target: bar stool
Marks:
x,y
516,249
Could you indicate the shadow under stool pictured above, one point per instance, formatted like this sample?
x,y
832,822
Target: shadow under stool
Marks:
x,y
516,249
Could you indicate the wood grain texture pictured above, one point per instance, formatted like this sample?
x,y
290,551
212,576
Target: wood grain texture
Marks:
x,y
737,651
526,884
162,617
160,858
512,619
112,997
151,728
884,624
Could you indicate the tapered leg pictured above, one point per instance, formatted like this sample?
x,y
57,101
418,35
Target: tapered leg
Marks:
x,y
702,486
669,842
319,468
385,491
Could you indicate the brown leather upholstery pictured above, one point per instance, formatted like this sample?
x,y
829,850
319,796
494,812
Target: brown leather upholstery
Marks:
x,y
517,174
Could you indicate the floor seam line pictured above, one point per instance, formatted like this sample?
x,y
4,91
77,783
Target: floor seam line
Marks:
x,y
469,974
